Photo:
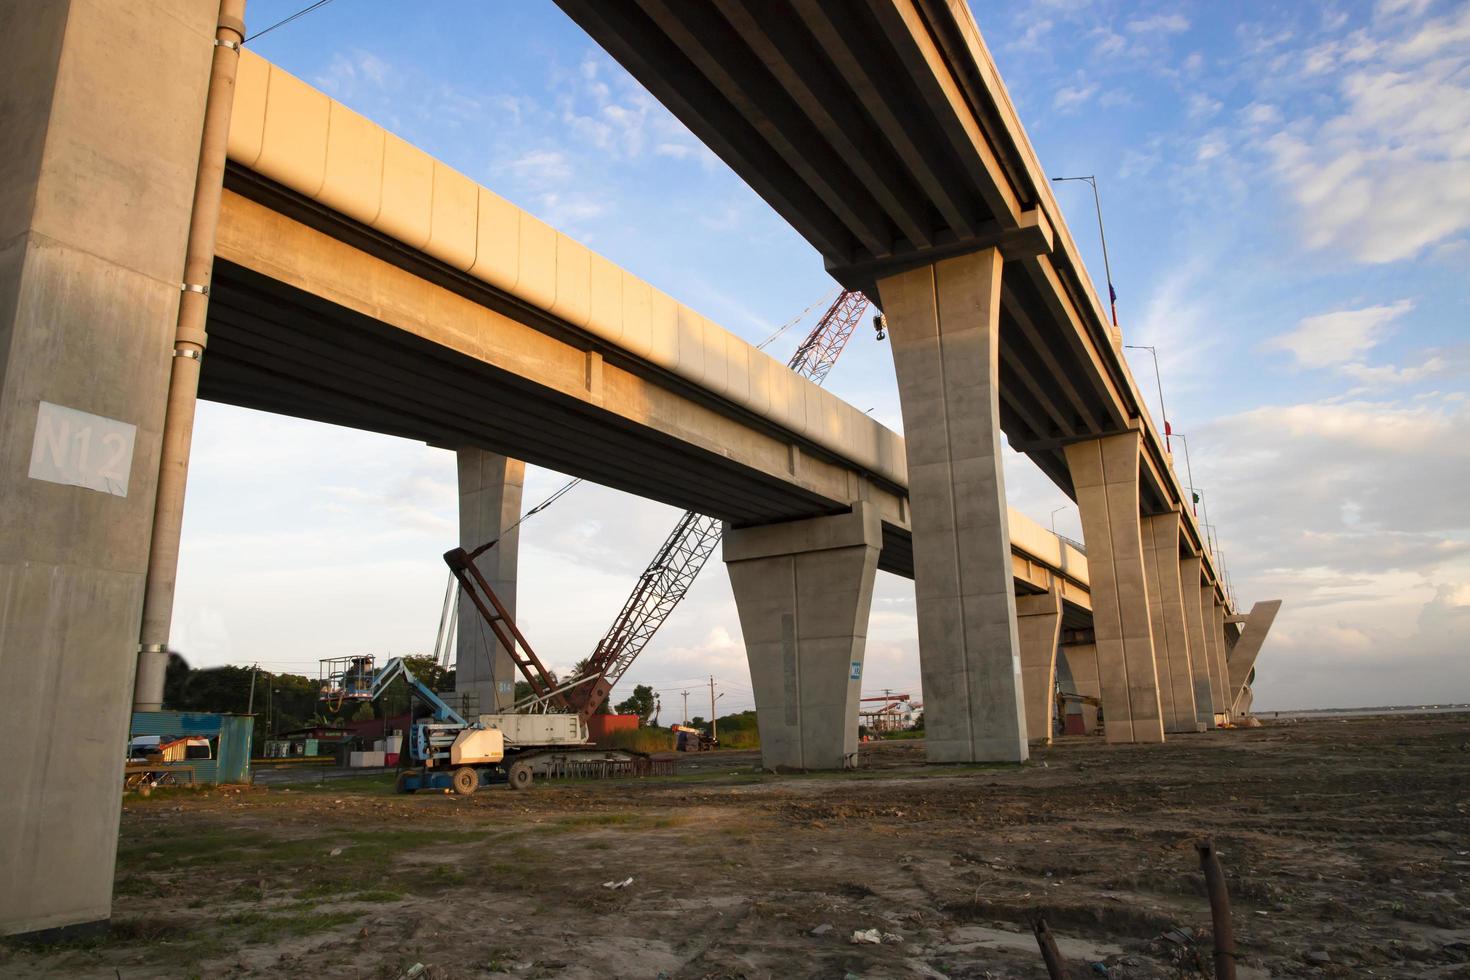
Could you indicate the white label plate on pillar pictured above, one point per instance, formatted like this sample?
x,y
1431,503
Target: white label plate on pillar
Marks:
x,y
80,449
857,671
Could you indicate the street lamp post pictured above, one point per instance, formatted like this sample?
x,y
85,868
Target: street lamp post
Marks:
x,y
1107,269
1054,514
1189,470
1159,383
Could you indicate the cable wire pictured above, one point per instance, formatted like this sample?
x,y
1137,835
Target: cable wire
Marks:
x,y
282,23
827,298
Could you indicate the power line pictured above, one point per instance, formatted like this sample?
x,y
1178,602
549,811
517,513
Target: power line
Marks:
x,y
282,23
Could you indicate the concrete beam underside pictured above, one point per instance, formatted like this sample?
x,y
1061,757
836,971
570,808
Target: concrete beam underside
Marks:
x,y
1166,614
1038,627
490,487
803,591
1199,651
1105,479
96,182
944,330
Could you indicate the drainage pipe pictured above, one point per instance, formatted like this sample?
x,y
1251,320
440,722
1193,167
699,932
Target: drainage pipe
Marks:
x,y
188,351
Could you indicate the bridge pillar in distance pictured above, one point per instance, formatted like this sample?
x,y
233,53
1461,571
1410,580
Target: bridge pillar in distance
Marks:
x,y
103,110
490,488
803,591
1081,661
1199,651
1166,613
1039,626
1105,478
1215,627
944,328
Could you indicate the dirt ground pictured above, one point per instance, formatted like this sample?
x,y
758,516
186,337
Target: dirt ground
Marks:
x,y
1346,842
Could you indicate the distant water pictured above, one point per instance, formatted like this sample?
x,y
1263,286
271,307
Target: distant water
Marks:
x,y
1394,709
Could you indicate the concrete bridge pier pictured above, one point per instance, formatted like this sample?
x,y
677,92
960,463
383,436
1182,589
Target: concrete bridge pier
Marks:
x,y
1039,627
1199,651
1166,613
1242,658
803,591
1105,480
1081,666
490,488
944,328
103,110
1214,614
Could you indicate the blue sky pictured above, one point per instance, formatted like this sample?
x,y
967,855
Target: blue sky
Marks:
x,y
1287,195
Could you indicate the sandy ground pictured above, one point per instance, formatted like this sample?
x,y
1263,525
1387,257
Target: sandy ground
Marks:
x,y
1347,844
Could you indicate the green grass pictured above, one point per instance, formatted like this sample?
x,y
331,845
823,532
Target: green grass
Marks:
x,y
265,927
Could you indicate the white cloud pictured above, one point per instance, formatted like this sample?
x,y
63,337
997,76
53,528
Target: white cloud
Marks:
x,y
1386,174
1340,337
1160,24
1033,38
1202,106
1071,97
539,168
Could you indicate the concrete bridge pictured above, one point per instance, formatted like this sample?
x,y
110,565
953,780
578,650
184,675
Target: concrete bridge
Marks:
x,y
339,274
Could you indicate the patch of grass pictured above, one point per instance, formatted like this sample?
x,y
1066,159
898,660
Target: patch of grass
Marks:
x,y
377,895
378,784
266,927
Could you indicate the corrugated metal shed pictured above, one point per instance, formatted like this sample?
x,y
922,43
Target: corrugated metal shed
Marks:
x,y
231,762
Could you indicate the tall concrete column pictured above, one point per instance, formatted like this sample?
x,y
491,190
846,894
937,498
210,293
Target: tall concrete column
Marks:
x,y
1105,479
1199,651
803,591
490,487
1038,627
1243,656
1166,613
1218,683
944,328
1081,661
102,107
1216,628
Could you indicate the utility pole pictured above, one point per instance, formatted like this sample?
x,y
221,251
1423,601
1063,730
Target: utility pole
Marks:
x,y
714,728
250,705
686,708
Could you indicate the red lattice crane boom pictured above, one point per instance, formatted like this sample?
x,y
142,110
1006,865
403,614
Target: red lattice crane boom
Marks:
x,y
666,581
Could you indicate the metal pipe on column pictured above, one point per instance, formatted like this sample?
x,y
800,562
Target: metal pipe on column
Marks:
x,y
189,343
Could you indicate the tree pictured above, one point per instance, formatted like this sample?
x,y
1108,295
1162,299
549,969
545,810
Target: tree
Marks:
x,y
640,703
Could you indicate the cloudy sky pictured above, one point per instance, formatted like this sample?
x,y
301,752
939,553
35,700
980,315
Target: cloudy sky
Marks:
x,y
1287,196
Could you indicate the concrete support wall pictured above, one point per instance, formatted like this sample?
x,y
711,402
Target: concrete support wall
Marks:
x,y
1038,626
1105,479
101,106
1218,683
1215,626
1243,655
944,329
490,487
803,591
1166,613
1199,651
1081,659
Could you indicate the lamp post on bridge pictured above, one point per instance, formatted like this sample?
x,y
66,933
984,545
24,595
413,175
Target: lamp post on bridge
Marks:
x,y
1189,471
1054,514
1159,382
1107,270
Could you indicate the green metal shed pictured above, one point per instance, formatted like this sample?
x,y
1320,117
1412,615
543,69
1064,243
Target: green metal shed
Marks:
x,y
231,734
